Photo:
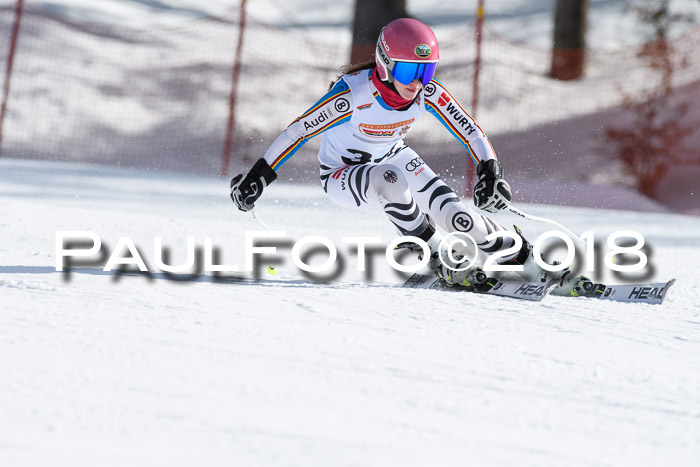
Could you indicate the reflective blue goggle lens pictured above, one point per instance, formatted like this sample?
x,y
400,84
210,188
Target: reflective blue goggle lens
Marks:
x,y
406,72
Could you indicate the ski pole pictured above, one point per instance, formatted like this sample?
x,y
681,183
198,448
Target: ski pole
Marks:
x,y
544,220
255,216
270,268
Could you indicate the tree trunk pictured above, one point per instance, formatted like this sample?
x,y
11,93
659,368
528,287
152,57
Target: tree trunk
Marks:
x,y
370,17
568,51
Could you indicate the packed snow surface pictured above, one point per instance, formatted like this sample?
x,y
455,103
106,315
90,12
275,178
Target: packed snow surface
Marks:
x,y
103,369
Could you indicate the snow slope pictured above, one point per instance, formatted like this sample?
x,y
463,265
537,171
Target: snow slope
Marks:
x,y
101,369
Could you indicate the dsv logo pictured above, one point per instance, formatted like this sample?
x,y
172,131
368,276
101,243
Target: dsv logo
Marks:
x,y
414,163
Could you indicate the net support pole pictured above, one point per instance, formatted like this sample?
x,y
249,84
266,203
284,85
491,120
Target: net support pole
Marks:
x,y
235,77
471,169
19,5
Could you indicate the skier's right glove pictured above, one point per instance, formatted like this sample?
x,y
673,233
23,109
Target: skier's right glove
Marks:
x,y
491,192
247,188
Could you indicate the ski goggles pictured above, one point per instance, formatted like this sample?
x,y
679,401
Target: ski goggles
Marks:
x,y
407,72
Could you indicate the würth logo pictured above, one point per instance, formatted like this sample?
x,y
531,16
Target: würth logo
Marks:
x,y
337,173
443,99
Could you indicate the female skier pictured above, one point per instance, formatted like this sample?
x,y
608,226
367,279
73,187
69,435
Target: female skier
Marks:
x,y
364,162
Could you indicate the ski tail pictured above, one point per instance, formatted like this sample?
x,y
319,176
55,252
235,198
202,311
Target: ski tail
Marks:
x,y
532,291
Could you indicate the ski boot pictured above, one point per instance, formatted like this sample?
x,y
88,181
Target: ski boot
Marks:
x,y
568,283
433,238
461,274
582,286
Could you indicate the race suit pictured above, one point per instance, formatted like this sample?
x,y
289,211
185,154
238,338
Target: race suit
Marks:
x,y
364,161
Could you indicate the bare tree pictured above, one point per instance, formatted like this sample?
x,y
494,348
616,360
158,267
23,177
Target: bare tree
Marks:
x,y
569,45
370,17
656,138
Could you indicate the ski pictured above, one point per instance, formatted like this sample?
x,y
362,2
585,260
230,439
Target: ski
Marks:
x,y
515,289
652,293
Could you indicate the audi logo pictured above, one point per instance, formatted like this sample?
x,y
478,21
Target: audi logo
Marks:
x,y
414,163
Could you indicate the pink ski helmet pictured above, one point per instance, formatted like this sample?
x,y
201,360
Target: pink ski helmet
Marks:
x,y
407,49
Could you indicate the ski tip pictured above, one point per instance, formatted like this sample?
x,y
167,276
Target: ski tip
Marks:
x,y
668,286
649,293
552,283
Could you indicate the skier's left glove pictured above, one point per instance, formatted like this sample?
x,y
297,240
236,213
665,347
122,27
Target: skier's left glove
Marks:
x,y
491,192
247,188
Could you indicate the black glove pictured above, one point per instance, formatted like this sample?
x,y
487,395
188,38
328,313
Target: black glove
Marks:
x,y
247,188
491,192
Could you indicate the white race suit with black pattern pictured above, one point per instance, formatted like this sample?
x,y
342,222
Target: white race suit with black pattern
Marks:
x,y
364,161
